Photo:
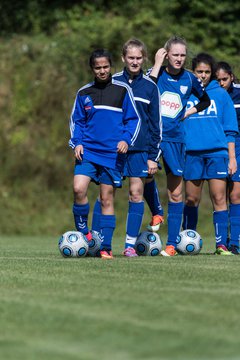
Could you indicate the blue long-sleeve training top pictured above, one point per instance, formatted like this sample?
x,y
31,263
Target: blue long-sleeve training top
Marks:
x,y
104,114
147,98
234,92
212,128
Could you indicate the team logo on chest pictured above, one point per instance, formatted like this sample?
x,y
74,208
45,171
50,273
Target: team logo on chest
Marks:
x,y
171,104
183,89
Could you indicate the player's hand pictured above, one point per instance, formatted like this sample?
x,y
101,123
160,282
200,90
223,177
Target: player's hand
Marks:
x,y
232,166
160,56
122,147
152,167
78,152
189,112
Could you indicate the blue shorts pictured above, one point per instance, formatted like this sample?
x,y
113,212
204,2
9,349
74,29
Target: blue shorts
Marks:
x,y
202,167
173,154
136,164
98,173
236,177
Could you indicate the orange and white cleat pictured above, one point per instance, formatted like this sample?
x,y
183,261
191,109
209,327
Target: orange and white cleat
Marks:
x,y
155,223
169,251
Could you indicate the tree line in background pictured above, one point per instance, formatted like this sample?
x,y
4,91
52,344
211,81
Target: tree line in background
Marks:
x,y
44,60
213,26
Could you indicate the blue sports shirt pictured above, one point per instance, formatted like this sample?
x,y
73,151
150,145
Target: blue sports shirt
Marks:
x,y
175,91
212,128
103,114
147,98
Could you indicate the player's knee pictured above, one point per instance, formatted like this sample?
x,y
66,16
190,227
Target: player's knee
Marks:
x,y
218,197
135,196
219,201
135,199
106,201
79,192
176,197
234,198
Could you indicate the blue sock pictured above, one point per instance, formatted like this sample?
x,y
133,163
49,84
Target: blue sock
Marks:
x,y
97,212
175,212
134,222
152,197
190,217
108,224
234,217
80,213
220,222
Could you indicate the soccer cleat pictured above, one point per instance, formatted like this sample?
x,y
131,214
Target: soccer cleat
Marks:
x,y
222,250
155,223
169,251
130,252
234,250
106,254
88,236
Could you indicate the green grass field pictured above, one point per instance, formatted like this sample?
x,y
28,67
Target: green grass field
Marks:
x,y
141,308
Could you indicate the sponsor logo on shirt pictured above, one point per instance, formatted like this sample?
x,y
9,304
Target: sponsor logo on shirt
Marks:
x,y
87,100
171,104
87,103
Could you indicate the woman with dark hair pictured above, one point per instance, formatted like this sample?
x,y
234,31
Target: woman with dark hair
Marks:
x,y
210,152
104,123
228,81
142,158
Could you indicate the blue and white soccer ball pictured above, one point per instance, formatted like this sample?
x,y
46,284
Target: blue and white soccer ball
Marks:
x,y
189,242
148,244
73,244
94,244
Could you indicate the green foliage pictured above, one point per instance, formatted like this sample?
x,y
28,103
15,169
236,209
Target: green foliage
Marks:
x,y
44,61
206,30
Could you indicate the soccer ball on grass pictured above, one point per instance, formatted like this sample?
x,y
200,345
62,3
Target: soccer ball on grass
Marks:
x,y
189,242
94,244
148,244
73,244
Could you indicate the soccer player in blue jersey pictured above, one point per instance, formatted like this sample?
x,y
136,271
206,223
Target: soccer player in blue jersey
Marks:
x,y
104,123
142,158
176,85
228,81
210,152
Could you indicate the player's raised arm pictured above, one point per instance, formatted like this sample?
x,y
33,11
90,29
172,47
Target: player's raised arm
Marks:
x,y
159,59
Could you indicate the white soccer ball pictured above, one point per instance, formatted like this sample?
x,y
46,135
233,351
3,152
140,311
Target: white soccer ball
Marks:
x,y
189,242
148,244
94,244
73,244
